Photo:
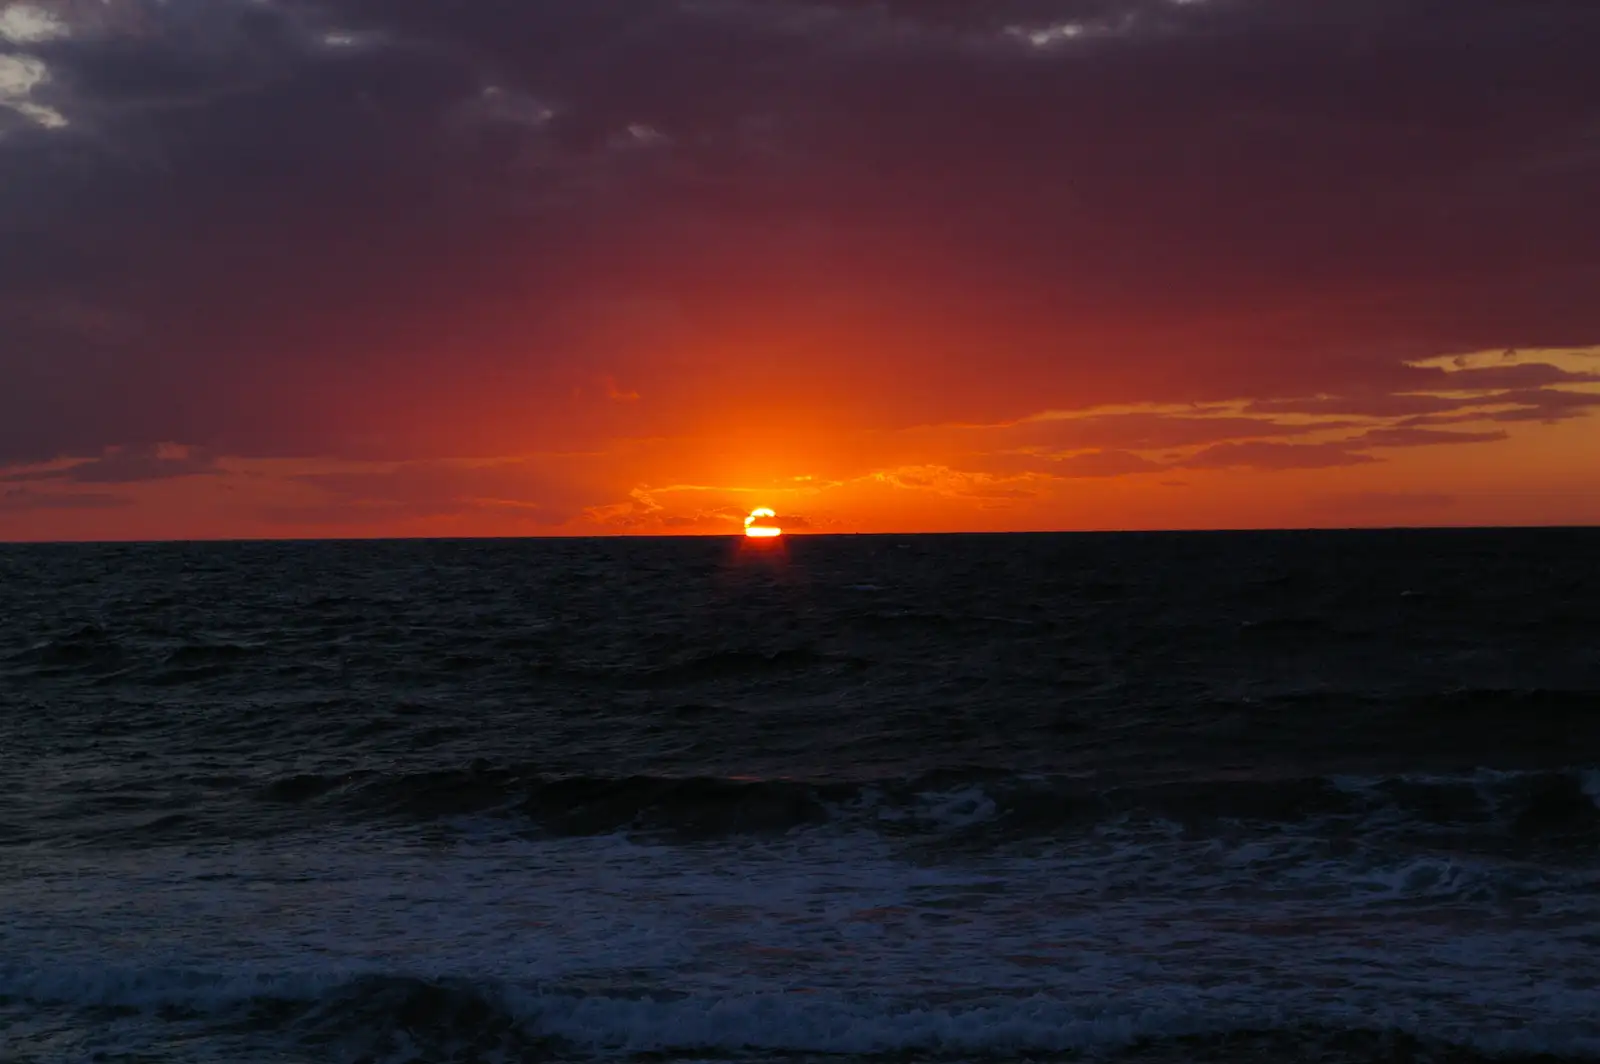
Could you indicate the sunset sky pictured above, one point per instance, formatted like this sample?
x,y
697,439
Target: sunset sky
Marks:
x,y
527,267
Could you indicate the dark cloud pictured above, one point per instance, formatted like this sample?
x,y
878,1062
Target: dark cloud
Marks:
x,y
1371,404
1410,436
1267,455
1524,375
1272,454
1225,443
401,228
1540,404
1534,402
1548,404
127,465
1156,431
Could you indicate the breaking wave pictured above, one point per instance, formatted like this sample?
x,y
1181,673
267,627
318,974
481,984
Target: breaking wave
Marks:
x,y
375,1015
1548,806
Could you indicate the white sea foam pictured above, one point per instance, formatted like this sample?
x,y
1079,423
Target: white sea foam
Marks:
x,y
830,941
798,1021
1590,781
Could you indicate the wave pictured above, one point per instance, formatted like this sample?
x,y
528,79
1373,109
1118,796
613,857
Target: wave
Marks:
x,y
88,648
578,804
695,669
452,1018
1547,807
91,652
95,653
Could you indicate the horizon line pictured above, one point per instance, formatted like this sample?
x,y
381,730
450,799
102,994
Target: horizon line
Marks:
x,y
739,536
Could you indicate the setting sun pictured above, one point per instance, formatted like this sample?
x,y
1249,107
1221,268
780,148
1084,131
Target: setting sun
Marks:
x,y
755,526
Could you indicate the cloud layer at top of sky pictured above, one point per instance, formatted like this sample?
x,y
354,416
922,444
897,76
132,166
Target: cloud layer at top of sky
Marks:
x,y
413,228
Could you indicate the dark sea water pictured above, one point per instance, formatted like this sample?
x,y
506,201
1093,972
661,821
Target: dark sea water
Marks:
x,y
1208,797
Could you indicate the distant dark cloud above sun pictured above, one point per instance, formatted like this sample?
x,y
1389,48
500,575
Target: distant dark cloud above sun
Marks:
x,y
283,267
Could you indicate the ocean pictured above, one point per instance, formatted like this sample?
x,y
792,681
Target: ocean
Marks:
x,y
1321,796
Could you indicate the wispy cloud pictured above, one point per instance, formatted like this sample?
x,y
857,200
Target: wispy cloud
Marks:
x,y
125,465
23,499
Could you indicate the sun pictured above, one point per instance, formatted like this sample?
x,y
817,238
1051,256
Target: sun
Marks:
x,y
756,527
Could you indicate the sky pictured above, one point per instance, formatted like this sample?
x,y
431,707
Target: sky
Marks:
x,y
282,268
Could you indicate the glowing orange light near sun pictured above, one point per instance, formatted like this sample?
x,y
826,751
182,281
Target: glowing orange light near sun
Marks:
x,y
756,530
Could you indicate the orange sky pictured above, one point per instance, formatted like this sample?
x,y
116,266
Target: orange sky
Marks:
x,y
1144,467
362,268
